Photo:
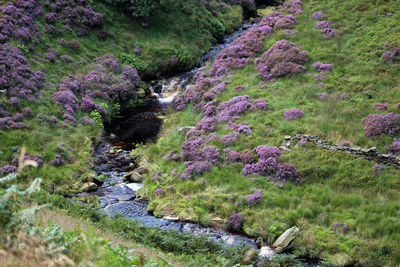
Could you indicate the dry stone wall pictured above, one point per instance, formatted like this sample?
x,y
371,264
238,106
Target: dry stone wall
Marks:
x,y
371,154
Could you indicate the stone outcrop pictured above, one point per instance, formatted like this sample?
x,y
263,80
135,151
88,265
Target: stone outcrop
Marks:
x,y
371,154
284,241
88,187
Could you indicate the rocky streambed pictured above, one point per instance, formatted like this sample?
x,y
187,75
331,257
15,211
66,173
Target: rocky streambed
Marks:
x,y
117,191
117,195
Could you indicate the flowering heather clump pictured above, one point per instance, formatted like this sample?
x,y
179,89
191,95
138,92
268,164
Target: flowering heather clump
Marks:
x,y
389,14
293,6
282,59
293,114
377,125
16,76
50,57
328,33
212,154
15,101
317,16
321,67
228,139
18,20
53,120
100,82
267,161
27,112
286,172
212,137
240,52
241,128
65,98
254,199
289,33
394,148
378,168
66,59
231,156
137,51
17,117
389,55
87,121
69,119
336,225
37,158
323,24
191,150
247,157
50,17
209,108
195,167
381,106
58,161
6,169
284,23
322,96
240,88
159,191
73,14
235,222
342,96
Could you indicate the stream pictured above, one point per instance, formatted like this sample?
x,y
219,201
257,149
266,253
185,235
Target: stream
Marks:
x,y
140,125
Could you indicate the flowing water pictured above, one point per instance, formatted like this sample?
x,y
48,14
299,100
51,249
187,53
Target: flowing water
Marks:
x,y
141,125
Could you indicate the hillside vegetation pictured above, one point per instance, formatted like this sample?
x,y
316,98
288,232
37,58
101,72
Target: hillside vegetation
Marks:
x,y
320,68
96,58
346,207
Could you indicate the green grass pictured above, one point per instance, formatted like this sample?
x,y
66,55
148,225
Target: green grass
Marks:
x,y
338,187
168,32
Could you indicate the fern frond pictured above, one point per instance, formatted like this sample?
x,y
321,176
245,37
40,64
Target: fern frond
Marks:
x,y
10,177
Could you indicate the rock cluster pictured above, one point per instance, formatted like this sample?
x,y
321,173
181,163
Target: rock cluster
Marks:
x,y
371,154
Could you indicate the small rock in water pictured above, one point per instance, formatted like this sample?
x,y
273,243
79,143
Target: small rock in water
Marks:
x,y
266,252
133,177
171,218
230,240
88,187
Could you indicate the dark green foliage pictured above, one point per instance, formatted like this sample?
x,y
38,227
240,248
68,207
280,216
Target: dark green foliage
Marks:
x,y
217,29
137,8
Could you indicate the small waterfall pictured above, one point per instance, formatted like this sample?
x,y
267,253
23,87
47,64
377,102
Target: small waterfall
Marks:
x,y
169,88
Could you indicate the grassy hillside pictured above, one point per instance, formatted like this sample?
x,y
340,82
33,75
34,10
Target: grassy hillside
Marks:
x,y
347,210
56,46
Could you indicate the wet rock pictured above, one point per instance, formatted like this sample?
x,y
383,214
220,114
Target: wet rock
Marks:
x,y
284,241
133,177
120,192
88,187
266,252
171,218
141,170
217,221
183,130
92,177
230,240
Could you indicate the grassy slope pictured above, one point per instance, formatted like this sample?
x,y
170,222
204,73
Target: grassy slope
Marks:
x,y
167,31
338,187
